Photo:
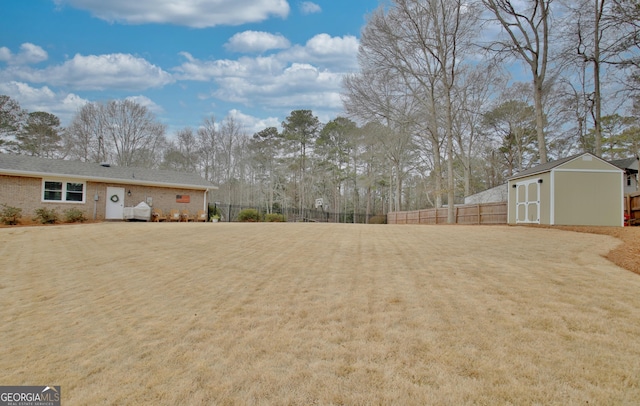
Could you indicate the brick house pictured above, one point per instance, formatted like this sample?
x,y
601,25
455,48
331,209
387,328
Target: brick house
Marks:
x,y
100,191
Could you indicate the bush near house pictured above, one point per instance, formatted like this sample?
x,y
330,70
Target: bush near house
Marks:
x,y
46,216
74,216
10,215
249,215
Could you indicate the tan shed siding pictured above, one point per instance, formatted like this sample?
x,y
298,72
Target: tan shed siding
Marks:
x,y
594,200
587,162
545,198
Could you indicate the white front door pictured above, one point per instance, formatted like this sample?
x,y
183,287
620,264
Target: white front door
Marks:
x,y
115,203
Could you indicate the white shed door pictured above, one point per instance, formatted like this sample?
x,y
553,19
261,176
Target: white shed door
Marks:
x,y
528,202
115,203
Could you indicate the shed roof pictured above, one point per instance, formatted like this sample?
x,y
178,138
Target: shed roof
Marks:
x,y
23,165
547,167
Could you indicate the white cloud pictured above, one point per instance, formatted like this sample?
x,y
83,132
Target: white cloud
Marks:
x,y
25,93
307,7
256,41
195,69
146,102
308,76
296,86
63,105
191,13
96,72
324,45
28,54
252,124
5,54
335,53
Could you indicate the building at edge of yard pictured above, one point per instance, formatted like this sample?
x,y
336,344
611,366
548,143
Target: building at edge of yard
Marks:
x,y
496,194
101,191
630,166
578,190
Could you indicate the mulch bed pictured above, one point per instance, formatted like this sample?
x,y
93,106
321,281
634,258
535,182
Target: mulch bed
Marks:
x,y
626,255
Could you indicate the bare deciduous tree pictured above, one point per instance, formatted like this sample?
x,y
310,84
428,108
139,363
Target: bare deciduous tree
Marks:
x,y
121,131
528,28
131,128
421,43
84,138
208,145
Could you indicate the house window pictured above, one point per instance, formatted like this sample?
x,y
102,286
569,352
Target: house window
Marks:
x,y
53,191
60,191
628,180
75,192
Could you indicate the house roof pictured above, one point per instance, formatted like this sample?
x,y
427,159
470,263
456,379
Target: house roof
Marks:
x,y
546,167
22,165
629,164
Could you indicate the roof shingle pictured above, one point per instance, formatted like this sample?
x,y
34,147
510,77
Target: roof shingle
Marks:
x,y
35,166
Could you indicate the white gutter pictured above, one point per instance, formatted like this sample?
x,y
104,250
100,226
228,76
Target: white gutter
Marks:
x,y
552,197
205,202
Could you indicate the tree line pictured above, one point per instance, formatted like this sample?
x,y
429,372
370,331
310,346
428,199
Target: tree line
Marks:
x,y
431,116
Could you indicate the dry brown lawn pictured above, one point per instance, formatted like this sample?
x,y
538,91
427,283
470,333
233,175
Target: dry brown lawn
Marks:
x,y
301,314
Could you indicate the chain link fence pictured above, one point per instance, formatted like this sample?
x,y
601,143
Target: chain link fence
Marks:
x,y
229,212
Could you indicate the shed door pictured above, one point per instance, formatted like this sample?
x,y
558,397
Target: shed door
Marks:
x,y
115,209
528,202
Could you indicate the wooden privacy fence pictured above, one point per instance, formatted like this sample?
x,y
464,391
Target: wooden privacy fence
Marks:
x,y
632,208
485,213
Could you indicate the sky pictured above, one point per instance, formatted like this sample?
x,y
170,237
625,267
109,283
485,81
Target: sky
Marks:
x,y
185,60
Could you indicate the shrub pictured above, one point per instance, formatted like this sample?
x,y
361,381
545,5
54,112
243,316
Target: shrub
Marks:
x,y
249,215
10,215
379,219
74,215
274,218
46,216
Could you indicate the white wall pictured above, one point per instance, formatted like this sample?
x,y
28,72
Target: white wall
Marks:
x,y
493,195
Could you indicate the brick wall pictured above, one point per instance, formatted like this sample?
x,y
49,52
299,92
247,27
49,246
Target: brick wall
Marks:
x,y
26,193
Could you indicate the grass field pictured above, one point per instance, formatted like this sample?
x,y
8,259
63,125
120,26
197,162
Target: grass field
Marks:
x,y
302,314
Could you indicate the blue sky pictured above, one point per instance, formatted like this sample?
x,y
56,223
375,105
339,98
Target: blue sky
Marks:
x,y
256,60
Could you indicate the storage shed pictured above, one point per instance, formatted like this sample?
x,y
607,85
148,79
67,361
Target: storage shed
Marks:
x,y
579,190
